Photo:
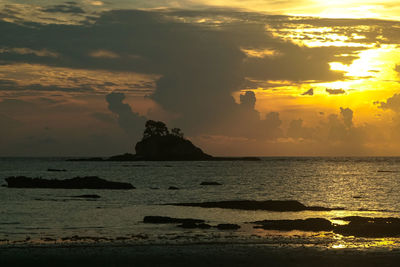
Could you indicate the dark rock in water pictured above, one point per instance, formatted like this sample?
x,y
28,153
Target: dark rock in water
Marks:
x,y
210,183
87,196
271,205
164,219
311,224
88,182
369,227
56,170
173,188
123,157
228,226
189,225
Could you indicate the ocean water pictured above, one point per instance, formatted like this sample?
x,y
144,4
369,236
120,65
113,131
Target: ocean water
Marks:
x,y
362,186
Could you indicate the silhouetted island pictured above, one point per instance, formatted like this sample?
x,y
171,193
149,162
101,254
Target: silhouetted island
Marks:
x,y
88,182
161,144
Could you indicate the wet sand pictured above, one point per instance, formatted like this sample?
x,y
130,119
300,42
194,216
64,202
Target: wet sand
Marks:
x,y
192,255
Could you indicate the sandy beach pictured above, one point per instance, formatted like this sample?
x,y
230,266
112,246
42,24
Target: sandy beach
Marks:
x,y
192,255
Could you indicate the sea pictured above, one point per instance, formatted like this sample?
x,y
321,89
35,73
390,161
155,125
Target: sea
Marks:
x,y
365,186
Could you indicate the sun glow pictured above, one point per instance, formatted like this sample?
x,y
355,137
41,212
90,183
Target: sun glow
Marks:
x,y
377,63
385,9
374,69
370,73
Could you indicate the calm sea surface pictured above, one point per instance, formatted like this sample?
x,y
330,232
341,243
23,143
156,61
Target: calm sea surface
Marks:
x,y
363,186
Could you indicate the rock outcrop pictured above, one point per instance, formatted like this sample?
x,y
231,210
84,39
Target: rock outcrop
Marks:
x,y
369,227
88,182
161,144
270,205
168,147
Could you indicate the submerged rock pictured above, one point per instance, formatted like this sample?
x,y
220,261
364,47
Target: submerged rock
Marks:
x,y
310,224
88,182
173,188
270,205
165,219
210,183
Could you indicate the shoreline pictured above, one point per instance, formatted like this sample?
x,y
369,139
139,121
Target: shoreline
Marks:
x,y
193,255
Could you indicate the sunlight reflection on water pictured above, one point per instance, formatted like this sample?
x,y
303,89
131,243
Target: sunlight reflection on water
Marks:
x,y
51,216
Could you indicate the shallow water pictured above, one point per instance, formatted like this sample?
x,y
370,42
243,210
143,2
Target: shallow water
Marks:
x,y
363,186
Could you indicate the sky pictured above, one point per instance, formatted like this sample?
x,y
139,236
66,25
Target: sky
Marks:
x,y
240,78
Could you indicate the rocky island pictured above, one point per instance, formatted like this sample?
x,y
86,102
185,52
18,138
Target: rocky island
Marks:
x,y
161,144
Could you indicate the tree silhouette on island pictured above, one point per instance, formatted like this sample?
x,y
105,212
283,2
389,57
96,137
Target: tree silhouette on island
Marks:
x,y
160,144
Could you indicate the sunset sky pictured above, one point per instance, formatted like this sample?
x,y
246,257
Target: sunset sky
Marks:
x,y
258,77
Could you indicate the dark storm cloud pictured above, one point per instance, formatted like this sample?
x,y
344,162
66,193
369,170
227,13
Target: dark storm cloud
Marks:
x,y
295,64
297,130
337,130
347,115
67,7
152,42
9,85
392,103
132,123
248,99
200,65
272,124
